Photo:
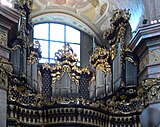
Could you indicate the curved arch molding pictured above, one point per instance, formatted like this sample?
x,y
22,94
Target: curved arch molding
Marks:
x,y
65,19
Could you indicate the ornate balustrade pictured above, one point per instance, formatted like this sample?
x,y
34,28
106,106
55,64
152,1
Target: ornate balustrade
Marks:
x,y
28,109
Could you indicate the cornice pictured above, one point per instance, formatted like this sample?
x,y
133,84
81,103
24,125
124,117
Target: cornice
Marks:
x,y
144,33
9,13
4,51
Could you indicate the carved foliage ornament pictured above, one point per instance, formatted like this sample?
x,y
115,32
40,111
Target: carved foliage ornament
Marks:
x,y
154,56
23,5
3,38
116,32
120,18
112,105
66,61
35,53
151,88
99,59
22,96
128,56
5,70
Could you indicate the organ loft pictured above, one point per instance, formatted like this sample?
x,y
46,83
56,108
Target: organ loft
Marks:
x,y
72,63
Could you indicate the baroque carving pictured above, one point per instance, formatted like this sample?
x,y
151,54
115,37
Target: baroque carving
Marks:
x,y
23,96
116,32
23,5
101,80
100,59
151,88
113,105
34,108
123,103
5,71
66,62
3,38
23,41
35,53
129,59
154,56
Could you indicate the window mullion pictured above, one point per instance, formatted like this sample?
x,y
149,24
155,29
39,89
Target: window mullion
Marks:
x,y
55,40
64,34
49,43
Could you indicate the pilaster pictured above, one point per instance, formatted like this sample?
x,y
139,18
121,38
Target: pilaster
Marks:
x,y
9,19
5,71
146,44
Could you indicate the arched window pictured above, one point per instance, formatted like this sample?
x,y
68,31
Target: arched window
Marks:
x,y
53,36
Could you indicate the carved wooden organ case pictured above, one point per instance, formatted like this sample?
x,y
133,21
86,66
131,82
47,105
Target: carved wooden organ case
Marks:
x,y
65,94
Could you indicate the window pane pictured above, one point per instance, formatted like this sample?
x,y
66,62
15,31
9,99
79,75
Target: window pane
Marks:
x,y
76,50
44,48
54,47
52,61
56,32
55,36
72,35
41,31
42,60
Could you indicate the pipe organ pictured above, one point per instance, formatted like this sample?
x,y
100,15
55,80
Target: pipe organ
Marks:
x,y
107,93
